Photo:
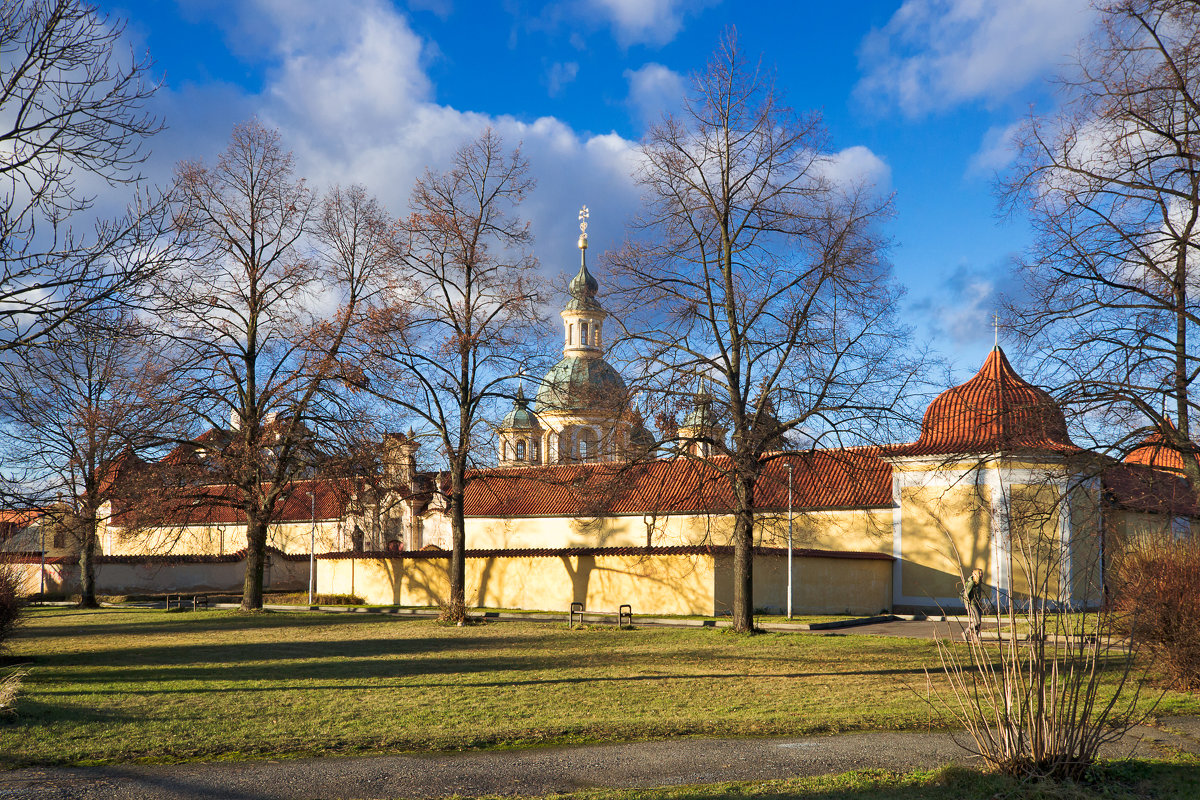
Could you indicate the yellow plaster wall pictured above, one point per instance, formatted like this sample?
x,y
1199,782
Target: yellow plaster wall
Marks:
x,y
943,530
867,530
1086,551
1036,544
823,585
673,584
655,584
290,537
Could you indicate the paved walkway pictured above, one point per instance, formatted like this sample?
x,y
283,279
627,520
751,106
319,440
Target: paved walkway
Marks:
x,y
535,770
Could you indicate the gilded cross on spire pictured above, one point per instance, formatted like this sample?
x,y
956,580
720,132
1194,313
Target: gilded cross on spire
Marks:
x,y
583,220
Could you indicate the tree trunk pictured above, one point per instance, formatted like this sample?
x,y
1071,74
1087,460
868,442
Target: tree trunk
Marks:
x,y
87,567
456,607
743,556
256,561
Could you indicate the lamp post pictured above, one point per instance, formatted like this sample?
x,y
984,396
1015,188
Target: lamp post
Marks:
x,y
42,567
789,589
312,548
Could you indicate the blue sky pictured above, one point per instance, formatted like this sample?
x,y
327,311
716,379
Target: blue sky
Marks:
x,y
918,96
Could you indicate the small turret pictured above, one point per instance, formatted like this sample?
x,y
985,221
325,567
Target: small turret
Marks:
x,y
700,434
520,434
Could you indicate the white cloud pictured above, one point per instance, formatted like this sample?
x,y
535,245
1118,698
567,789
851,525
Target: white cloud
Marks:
x,y
646,21
857,164
654,91
933,54
559,75
995,152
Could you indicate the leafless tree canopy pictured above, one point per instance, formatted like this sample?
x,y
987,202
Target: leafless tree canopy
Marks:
x,y
463,308
79,406
71,110
260,313
758,278
1113,181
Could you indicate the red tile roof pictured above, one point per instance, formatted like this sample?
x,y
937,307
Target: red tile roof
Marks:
x,y
1137,487
821,479
18,517
994,411
1154,451
218,505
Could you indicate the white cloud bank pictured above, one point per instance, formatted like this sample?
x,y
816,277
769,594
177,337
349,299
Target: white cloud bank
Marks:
x,y
934,54
346,85
347,88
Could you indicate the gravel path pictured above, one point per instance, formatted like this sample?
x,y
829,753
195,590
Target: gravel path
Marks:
x,y
534,770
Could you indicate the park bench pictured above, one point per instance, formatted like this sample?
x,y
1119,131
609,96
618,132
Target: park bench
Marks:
x,y
624,614
198,601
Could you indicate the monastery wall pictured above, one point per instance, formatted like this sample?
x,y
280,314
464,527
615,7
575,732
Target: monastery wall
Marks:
x,y
157,575
652,583
290,537
866,530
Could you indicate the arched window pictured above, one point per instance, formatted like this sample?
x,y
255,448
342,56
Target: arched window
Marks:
x,y
589,445
570,333
583,334
520,451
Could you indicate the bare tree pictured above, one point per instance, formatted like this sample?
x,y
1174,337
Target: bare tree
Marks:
x,y
262,318
71,112
757,275
78,411
1111,183
457,327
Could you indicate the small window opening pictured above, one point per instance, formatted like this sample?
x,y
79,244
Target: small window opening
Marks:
x,y
520,451
583,334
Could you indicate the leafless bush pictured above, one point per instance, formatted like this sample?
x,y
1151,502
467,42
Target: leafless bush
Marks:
x,y
11,602
1158,597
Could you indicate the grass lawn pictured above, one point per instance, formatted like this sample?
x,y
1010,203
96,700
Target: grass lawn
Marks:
x,y
121,685
1124,780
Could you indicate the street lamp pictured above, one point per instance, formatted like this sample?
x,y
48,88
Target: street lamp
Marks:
x,y
42,568
789,597
312,548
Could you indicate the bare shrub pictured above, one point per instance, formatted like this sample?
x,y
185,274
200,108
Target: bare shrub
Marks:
x,y
11,602
453,611
9,685
1159,601
1057,681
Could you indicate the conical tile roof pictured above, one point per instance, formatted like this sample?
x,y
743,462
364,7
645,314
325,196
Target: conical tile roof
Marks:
x,y
995,411
1155,451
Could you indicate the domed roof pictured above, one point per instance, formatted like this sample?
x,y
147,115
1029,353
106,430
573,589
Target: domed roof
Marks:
x,y
994,411
583,288
701,415
1154,451
578,383
520,417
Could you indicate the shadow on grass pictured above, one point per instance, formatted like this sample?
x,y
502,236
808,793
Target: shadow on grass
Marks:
x,y
95,623
307,673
